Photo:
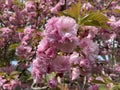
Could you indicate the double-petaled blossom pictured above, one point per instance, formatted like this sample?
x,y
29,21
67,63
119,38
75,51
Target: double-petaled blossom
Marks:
x,y
51,31
51,52
79,66
67,25
67,44
24,51
11,85
28,34
59,5
30,6
46,49
28,31
39,68
62,32
9,3
60,64
63,25
6,32
56,8
89,48
53,83
2,81
43,45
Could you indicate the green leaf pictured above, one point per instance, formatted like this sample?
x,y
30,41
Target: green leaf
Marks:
x,y
21,30
47,77
18,3
2,74
98,82
73,12
30,78
94,19
116,11
14,73
102,87
13,46
116,87
92,23
106,79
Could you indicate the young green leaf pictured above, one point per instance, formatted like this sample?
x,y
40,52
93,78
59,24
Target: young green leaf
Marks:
x,y
13,46
102,87
73,12
94,19
98,82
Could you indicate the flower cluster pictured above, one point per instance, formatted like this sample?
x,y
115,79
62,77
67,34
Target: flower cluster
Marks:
x,y
54,52
56,42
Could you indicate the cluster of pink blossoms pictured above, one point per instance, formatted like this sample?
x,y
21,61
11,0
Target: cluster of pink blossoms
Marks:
x,y
25,50
11,84
57,46
6,83
57,51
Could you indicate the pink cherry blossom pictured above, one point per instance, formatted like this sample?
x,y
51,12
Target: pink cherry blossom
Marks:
x,y
56,8
67,44
39,68
75,73
24,51
67,25
89,47
28,30
74,58
30,6
53,83
43,45
61,64
6,32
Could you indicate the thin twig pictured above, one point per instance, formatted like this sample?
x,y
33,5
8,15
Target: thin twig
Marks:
x,y
109,4
84,82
